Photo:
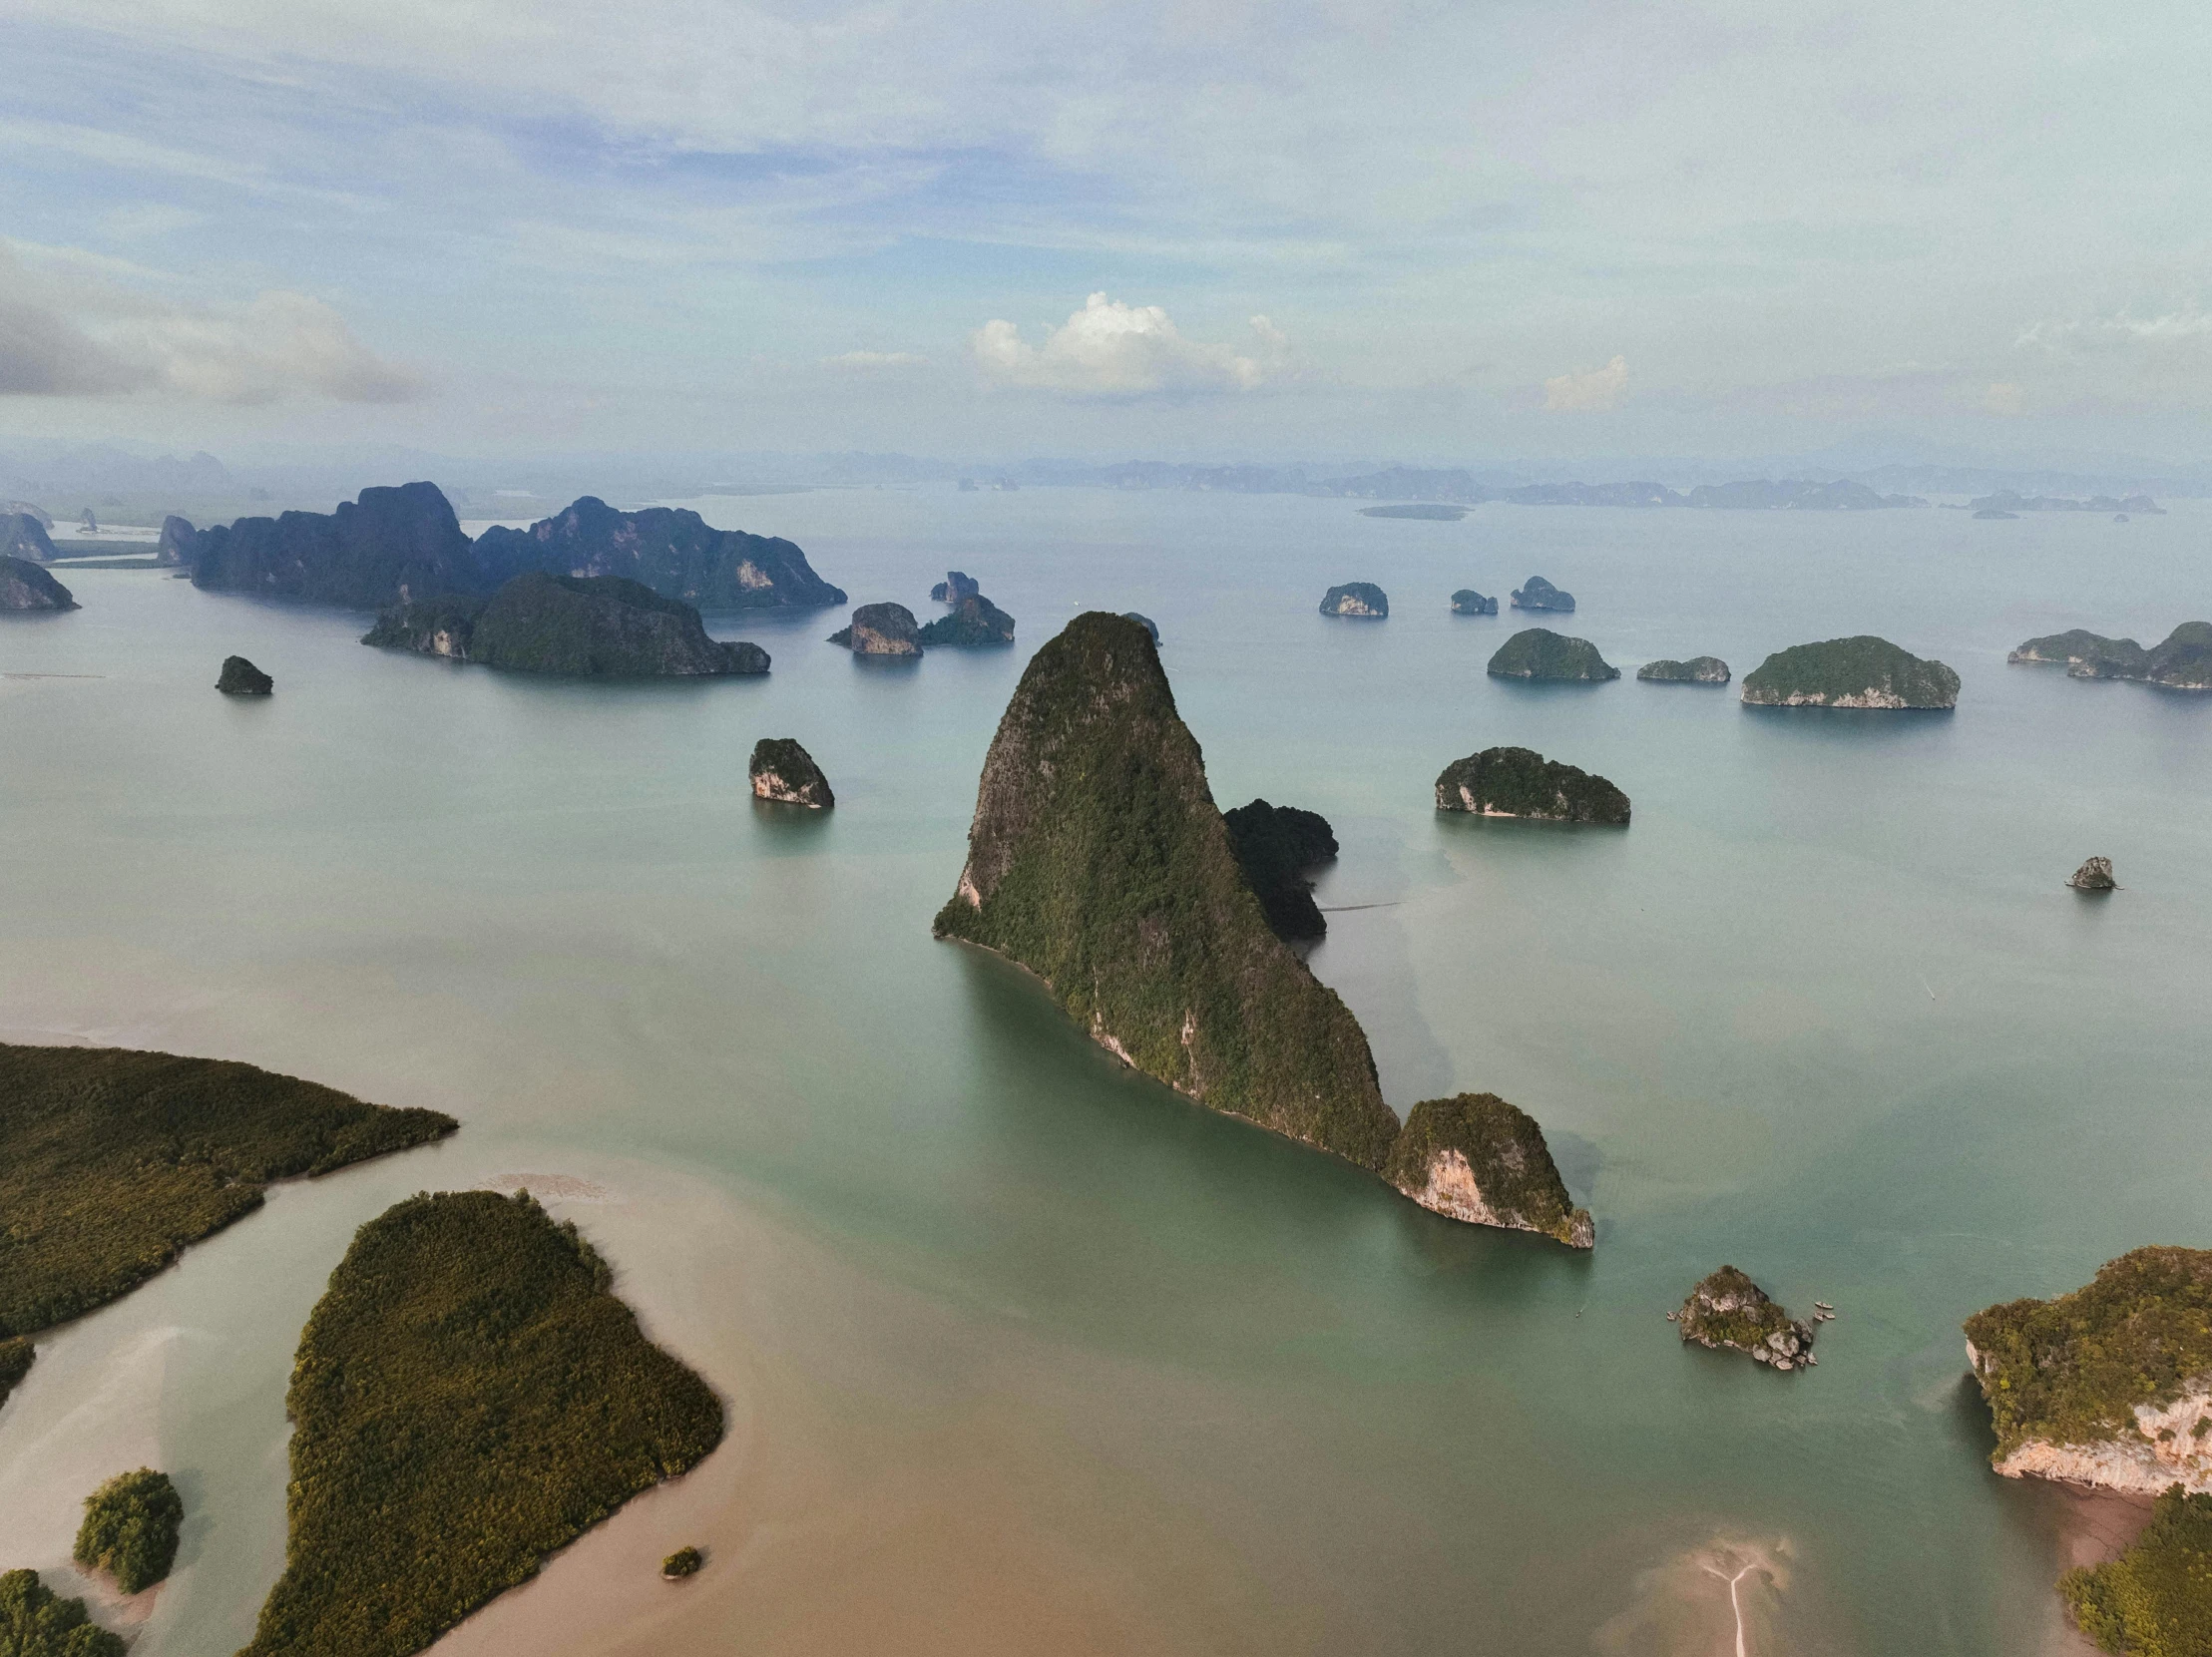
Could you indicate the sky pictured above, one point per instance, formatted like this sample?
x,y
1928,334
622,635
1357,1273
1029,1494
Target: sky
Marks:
x,y
1192,229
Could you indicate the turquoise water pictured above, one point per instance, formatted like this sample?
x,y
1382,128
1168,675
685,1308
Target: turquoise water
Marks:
x,y
1826,1010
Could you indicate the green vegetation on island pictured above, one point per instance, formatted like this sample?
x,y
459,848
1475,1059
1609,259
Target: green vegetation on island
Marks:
x,y
2087,1367
1275,846
26,587
113,1161
1099,860
1467,602
1519,782
2155,1599
1861,672
240,677
1477,1158
1538,593
468,1397
1727,1309
783,771
974,621
1699,669
16,1353
880,629
2182,660
1361,600
601,626
2085,654
684,1562
671,550
1541,654
129,1528
37,1622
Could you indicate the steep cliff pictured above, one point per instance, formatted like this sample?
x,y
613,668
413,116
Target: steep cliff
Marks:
x,y
1477,1158
672,550
389,547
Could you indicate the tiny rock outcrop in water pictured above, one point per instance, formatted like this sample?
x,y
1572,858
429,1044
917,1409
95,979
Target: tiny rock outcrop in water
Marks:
x,y
599,625
2094,876
1862,671
1275,846
975,620
1467,602
1538,593
1699,669
26,587
1729,1310
956,586
1361,600
782,770
1475,1157
880,629
2109,1384
1519,782
1540,654
240,677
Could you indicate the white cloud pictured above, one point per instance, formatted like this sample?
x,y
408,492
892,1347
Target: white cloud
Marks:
x,y
2189,330
1588,389
1111,349
66,331
867,361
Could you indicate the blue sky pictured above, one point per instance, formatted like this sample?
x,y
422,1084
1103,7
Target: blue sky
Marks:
x,y
1211,227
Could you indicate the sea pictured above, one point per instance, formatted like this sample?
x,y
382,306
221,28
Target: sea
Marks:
x,y
1027,1354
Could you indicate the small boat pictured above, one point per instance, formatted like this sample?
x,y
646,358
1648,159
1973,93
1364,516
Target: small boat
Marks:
x,y
1822,1306
1671,1316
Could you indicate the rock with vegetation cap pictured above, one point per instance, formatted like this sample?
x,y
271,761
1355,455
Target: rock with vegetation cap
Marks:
x,y
1099,860
2183,659
684,1562
37,1622
1541,654
129,1528
2109,1384
880,629
1475,1157
1861,672
2094,876
1361,600
975,620
1467,602
956,586
25,587
781,770
1275,846
1519,782
1727,1309
240,677
1699,669
1151,626
1538,593
603,626
2085,654
2155,1599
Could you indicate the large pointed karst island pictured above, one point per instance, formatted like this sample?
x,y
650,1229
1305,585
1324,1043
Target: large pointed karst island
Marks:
x,y
1099,860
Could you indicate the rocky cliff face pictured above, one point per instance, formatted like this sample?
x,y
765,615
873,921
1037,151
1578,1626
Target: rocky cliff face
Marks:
x,y
26,587
1099,860
956,586
2094,875
601,626
1861,672
1362,600
179,543
392,546
1541,654
24,536
881,629
783,771
1519,782
672,550
2110,1385
1728,1310
1477,1158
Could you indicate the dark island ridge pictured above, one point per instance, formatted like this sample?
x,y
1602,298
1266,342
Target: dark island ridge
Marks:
x,y
597,626
1538,593
240,677
1540,654
885,630
25,587
782,771
1360,601
1275,846
1519,782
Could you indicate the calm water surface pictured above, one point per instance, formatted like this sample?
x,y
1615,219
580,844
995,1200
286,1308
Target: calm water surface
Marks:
x,y
1027,1354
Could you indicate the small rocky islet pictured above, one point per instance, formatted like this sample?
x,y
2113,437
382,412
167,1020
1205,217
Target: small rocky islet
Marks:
x,y
1699,669
1477,1158
1727,1309
1519,782
240,677
1857,672
600,626
782,771
1357,600
2094,875
1467,602
1537,593
27,589
1538,654
2182,660
973,622
882,629
1274,845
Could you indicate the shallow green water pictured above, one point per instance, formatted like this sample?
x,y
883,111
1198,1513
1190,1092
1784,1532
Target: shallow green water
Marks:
x,y
1825,1010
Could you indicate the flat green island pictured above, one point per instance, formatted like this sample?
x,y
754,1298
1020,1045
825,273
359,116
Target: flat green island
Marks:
x,y
130,1530
1477,1158
468,1397
2085,654
2155,1599
1519,782
1860,672
112,1162
37,1622
1099,860
2110,1385
1541,654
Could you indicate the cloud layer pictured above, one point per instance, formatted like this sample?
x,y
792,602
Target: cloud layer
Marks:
x,y
1113,350
1588,389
